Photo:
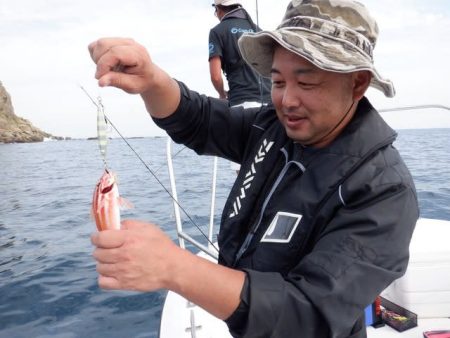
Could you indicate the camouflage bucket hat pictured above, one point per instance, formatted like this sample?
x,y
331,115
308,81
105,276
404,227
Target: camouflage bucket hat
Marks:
x,y
334,35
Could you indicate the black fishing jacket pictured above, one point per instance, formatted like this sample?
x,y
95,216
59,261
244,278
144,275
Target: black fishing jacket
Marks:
x,y
320,232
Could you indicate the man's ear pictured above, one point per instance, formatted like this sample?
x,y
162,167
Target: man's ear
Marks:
x,y
361,81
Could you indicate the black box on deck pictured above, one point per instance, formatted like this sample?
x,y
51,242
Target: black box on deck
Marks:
x,y
397,317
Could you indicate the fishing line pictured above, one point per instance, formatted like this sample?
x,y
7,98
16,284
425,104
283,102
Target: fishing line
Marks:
x,y
153,174
173,156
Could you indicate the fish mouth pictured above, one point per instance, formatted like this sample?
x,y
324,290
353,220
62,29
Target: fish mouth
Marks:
x,y
107,189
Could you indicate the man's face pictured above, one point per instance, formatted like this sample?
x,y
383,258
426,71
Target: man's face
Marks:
x,y
311,103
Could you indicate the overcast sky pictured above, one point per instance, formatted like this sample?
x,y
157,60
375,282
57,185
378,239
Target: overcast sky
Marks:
x,y
44,57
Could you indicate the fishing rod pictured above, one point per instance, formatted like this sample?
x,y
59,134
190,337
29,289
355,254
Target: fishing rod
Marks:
x,y
261,91
257,13
153,173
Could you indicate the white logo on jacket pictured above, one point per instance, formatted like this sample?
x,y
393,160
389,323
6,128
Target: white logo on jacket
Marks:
x,y
248,180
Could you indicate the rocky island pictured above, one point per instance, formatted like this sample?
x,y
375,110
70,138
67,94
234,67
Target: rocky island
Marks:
x,y
14,129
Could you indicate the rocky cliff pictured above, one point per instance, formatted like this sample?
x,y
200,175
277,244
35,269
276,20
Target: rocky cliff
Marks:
x,y
14,128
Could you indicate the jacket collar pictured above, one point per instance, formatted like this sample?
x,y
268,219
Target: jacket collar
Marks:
x,y
365,133
238,13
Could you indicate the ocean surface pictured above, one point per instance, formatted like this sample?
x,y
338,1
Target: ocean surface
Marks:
x,y
48,285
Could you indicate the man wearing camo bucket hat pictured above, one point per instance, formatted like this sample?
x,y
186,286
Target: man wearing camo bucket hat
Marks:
x,y
333,35
320,217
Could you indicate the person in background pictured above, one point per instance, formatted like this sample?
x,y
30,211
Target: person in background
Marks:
x,y
319,220
246,87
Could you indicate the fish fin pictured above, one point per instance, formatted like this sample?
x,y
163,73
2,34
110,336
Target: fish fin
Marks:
x,y
125,204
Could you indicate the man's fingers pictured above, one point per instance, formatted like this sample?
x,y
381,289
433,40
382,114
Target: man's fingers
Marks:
x,y
133,224
106,256
107,270
101,46
118,80
121,63
110,63
108,239
108,283
112,55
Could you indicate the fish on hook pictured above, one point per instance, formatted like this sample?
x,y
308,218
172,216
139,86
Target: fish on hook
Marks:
x,y
106,201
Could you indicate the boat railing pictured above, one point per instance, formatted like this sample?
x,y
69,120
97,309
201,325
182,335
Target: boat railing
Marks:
x,y
181,233
423,106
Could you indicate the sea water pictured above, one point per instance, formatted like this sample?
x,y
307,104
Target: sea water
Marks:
x,y
48,282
